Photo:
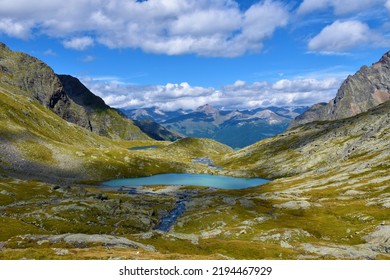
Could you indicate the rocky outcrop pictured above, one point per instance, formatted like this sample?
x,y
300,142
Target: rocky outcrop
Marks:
x,y
368,88
102,119
81,95
83,240
315,113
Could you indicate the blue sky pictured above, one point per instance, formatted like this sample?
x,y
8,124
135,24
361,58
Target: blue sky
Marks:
x,y
185,53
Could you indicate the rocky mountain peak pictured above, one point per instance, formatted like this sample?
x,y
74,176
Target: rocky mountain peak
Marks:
x,y
207,109
367,88
35,77
3,46
385,59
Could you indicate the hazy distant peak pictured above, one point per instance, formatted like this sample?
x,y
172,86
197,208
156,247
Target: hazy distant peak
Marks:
x,y
207,109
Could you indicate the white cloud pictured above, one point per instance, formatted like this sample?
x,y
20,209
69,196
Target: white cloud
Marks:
x,y
208,28
79,43
352,6
239,95
49,52
341,36
14,28
340,7
387,5
89,58
308,6
239,83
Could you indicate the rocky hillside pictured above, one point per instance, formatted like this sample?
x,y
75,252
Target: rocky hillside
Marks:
x,y
64,95
369,87
358,144
103,119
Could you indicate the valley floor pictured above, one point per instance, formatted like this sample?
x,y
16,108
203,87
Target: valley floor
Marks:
x,y
301,217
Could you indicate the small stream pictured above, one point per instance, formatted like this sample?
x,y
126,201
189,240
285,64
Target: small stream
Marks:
x,y
206,161
168,221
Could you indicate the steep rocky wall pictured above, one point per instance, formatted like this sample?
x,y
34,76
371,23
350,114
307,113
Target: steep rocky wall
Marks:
x,y
369,87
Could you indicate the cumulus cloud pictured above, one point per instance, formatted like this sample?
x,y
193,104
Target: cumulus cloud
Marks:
x,y
308,6
340,7
239,95
79,43
387,5
15,28
208,28
341,36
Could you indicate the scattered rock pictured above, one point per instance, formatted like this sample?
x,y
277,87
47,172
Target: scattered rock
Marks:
x,y
84,240
247,203
354,193
341,251
101,196
210,234
248,223
229,200
4,192
380,236
61,252
285,244
40,242
147,235
285,235
261,219
69,208
294,205
191,237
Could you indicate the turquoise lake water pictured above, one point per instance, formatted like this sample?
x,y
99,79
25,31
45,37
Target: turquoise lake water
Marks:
x,y
183,179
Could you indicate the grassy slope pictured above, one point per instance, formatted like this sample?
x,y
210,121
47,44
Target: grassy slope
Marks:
x,y
36,142
360,142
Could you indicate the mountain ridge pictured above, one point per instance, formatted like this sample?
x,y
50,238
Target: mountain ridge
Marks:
x,y
360,92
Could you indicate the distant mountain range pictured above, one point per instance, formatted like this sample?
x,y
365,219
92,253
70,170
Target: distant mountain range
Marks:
x,y
236,128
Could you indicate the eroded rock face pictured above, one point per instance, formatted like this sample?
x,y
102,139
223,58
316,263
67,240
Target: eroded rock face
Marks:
x,y
37,80
369,87
380,236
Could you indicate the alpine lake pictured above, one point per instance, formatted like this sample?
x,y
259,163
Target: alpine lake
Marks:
x,y
183,179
